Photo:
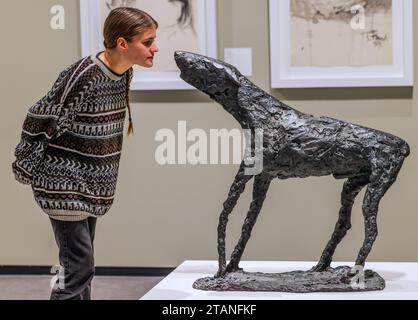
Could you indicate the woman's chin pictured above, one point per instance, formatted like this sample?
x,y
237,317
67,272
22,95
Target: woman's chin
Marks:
x,y
148,64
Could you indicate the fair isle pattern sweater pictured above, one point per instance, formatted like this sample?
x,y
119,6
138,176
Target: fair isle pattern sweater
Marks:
x,y
71,141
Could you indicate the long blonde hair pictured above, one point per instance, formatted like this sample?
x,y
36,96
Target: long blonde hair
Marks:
x,y
126,22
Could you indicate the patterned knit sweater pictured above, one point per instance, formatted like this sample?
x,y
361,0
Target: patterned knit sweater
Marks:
x,y
71,141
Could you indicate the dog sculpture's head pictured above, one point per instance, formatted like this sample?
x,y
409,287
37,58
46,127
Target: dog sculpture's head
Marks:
x,y
216,78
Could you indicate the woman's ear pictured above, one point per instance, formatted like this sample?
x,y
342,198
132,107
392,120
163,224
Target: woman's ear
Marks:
x,y
122,43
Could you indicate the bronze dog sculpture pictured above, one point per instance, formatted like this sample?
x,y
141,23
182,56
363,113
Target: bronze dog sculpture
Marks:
x,y
297,145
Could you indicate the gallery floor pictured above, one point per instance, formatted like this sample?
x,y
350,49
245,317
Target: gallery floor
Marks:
x,y
103,287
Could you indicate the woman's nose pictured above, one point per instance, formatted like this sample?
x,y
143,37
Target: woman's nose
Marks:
x,y
154,48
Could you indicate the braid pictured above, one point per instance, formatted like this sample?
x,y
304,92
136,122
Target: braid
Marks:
x,y
128,83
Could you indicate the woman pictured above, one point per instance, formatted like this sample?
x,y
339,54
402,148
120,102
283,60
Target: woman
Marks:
x,y
72,139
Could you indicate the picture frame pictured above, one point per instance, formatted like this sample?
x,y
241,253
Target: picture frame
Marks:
x,y
166,76
290,67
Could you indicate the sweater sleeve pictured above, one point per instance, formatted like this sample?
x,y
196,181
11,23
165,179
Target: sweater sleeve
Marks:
x,y
46,120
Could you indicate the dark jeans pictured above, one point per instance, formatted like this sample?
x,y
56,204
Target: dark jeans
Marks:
x,y
76,256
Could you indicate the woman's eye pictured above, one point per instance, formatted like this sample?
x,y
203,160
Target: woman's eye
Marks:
x,y
148,43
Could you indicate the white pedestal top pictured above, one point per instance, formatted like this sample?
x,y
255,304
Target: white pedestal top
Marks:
x,y
401,282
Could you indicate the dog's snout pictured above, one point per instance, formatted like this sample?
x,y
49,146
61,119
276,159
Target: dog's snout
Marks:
x,y
182,55
178,54
179,58
183,59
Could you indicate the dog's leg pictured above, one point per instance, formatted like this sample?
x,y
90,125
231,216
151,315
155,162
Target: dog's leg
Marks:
x,y
351,189
235,191
261,185
380,181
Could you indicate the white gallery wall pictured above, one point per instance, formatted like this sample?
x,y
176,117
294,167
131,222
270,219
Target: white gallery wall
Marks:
x,y
164,215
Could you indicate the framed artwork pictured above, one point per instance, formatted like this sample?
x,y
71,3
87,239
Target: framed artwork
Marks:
x,y
187,25
341,43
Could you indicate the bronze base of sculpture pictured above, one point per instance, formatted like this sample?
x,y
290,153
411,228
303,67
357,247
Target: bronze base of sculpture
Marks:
x,y
340,279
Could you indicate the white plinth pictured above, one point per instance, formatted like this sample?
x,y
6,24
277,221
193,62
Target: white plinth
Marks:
x,y
401,282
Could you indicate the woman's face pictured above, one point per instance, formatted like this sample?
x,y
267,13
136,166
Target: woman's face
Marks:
x,y
142,48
